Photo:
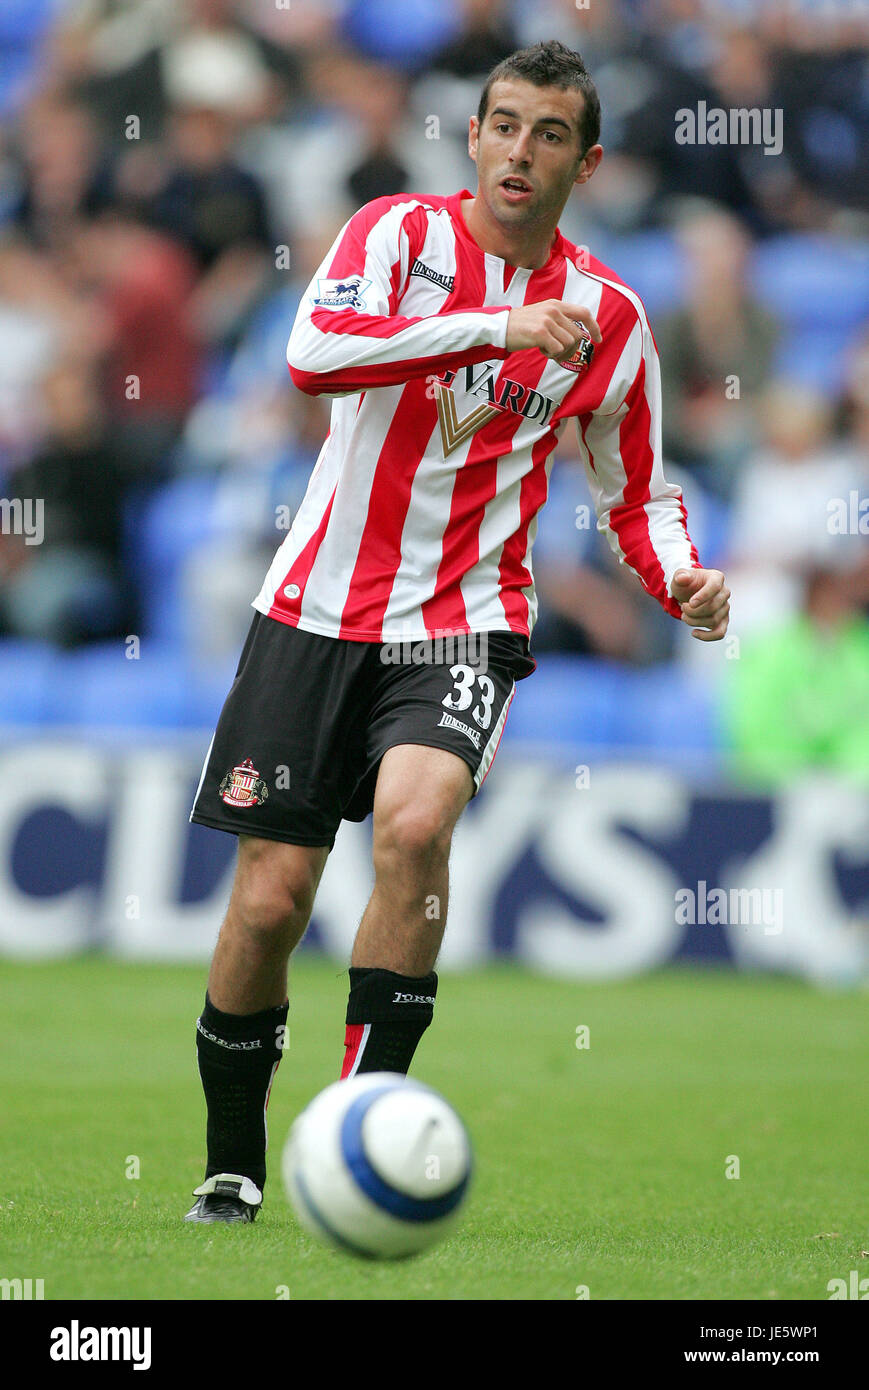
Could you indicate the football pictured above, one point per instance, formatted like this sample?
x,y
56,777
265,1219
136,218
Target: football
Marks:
x,y
378,1166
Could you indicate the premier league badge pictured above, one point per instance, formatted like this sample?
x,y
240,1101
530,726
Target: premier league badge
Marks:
x,y
243,786
348,293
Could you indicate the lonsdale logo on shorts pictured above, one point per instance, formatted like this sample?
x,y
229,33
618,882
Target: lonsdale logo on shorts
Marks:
x,y
243,786
448,721
479,380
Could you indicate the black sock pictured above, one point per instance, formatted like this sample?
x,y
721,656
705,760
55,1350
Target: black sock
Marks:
x,y
238,1055
387,1015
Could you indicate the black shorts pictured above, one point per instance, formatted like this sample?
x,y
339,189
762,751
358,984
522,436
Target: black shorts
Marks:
x,y
308,718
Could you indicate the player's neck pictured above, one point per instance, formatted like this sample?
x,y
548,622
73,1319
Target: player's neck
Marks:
x,y
530,249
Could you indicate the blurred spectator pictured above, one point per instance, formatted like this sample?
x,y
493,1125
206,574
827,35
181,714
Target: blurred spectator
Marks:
x,y
122,56
716,351
253,420
64,172
786,506
815,57
217,211
799,693
40,320
449,88
744,75
139,286
368,144
671,74
68,587
207,201
216,62
487,36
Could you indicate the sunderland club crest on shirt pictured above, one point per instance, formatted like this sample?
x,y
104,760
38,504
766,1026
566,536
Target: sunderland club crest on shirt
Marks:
x,y
581,359
243,786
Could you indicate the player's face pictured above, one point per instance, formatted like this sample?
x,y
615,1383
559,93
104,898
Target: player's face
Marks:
x,y
528,152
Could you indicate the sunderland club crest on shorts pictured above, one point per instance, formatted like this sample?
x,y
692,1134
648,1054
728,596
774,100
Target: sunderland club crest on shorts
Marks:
x,y
243,786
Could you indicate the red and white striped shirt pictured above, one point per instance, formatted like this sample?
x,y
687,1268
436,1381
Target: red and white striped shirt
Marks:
x,y
420,514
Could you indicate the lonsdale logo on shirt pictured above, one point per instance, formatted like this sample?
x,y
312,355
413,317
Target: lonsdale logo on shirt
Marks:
x,y
479,380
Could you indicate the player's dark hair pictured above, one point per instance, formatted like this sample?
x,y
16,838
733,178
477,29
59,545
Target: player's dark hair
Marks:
x,y
551,64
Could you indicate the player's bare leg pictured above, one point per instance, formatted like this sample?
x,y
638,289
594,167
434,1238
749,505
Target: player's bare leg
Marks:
x,y
420,795
242,1031
271,901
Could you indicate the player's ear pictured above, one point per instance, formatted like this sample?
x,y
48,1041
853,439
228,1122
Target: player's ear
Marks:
x,y
590,161
473,136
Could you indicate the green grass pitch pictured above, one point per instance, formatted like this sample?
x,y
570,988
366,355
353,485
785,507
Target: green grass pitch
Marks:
x,y
603,1167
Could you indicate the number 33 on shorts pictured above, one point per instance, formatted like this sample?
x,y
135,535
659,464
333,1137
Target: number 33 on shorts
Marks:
x,y
469,686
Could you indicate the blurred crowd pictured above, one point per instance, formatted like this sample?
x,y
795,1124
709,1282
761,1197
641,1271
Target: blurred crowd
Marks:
x,y
174,170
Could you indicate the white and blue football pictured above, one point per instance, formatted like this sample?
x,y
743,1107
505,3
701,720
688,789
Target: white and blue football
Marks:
x,y
378,1165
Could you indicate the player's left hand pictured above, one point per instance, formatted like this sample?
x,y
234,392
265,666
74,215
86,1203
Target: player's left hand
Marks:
x,y
705,602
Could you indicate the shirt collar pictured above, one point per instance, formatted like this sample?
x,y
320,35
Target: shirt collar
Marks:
x,y
454,207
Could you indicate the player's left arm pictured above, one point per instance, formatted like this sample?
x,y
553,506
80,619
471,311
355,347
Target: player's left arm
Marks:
x,y
642,515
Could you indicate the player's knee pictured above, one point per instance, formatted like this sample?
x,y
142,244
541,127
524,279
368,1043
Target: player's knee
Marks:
x,y
271,918
273,914
412,833
272,901
274,888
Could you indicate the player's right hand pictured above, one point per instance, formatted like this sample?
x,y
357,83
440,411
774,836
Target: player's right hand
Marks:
x,y
549,326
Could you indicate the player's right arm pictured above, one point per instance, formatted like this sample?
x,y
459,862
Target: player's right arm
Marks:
x,y
348,336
